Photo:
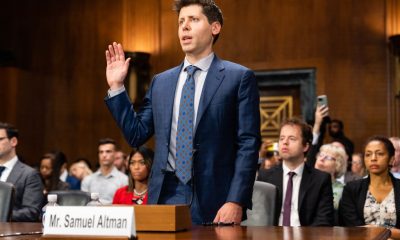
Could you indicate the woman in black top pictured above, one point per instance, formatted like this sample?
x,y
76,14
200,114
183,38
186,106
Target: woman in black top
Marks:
x,y
374,200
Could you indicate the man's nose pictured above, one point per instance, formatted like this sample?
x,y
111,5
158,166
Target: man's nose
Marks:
x,y
186,25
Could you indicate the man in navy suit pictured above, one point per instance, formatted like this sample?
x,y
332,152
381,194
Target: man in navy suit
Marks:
x,y
26,180
225,126
309,202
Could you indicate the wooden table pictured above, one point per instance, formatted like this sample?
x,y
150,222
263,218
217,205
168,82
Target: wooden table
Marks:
x,y
224,233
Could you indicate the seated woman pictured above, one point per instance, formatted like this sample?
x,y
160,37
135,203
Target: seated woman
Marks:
x,y
50,170
332,159
140,162
374,200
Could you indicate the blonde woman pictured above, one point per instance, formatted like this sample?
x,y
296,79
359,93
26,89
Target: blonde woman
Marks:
x,y
332,159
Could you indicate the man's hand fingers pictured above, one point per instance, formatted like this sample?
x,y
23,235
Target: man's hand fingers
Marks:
x,y
111,52
217,218
121,52
108,57
116,51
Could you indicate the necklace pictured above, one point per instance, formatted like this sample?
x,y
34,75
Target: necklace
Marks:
x,y
139,193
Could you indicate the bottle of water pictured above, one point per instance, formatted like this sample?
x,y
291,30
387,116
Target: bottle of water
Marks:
x,y
51,201
94,200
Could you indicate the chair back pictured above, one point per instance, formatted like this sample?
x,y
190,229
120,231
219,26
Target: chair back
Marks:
x,y
71,197
263,210
7,192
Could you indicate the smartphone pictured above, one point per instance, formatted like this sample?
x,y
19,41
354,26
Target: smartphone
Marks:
x,y
322,100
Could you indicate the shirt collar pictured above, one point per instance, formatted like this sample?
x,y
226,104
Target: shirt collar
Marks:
x,y
298,170
113,172
204,63
10,163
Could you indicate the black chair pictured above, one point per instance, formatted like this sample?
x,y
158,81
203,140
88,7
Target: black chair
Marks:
x,y
7,192
72,197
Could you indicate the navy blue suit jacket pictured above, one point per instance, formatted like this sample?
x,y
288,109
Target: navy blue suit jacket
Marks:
x,y
227,133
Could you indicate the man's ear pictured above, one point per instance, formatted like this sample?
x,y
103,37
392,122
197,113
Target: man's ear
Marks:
x,y
306,147
215,28
14,141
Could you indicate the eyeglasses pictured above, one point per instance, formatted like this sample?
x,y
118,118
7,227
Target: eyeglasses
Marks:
x,y
326,156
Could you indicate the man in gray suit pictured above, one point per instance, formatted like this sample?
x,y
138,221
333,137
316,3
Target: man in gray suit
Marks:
x,y
28,185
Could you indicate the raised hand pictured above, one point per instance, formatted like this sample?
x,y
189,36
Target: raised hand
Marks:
x,y
117,66
320,113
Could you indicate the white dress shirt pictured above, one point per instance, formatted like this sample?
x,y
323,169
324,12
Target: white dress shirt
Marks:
x,y
294,211
9,166
199,79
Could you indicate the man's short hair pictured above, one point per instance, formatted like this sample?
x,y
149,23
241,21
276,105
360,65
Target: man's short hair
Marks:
x,y
104,141
210,10
306,130
11,131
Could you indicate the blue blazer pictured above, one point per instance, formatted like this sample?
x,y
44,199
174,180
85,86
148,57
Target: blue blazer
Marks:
x,y
227,133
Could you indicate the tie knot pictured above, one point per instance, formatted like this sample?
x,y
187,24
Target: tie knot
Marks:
x,y
291,174
191,69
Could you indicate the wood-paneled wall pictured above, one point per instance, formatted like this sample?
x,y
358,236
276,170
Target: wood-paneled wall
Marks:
x,y
54,92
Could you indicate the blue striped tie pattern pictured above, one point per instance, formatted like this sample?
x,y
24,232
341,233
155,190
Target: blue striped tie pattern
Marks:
x,y
184,135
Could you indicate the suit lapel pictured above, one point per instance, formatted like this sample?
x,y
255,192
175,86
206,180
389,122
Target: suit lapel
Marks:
x,y
305,184
213,80
170,88
363,196
15,173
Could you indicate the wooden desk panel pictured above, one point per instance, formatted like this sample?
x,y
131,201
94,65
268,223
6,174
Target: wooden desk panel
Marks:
x,y
226,233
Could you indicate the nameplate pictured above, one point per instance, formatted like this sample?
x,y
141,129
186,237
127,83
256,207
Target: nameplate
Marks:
x,y
90,221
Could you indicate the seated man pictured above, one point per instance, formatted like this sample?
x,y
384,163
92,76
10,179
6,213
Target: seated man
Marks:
x,y
28,185
305,196
107,179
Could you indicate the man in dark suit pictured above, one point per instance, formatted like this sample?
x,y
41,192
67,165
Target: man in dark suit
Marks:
x,y
223,129
28,185
305,195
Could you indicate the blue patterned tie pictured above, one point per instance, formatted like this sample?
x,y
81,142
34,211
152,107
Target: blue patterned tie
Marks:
x,y
184,135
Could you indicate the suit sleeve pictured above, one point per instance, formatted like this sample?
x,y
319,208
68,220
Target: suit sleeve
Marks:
x,y
137,127
248,141
348,216
32,200
325,212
